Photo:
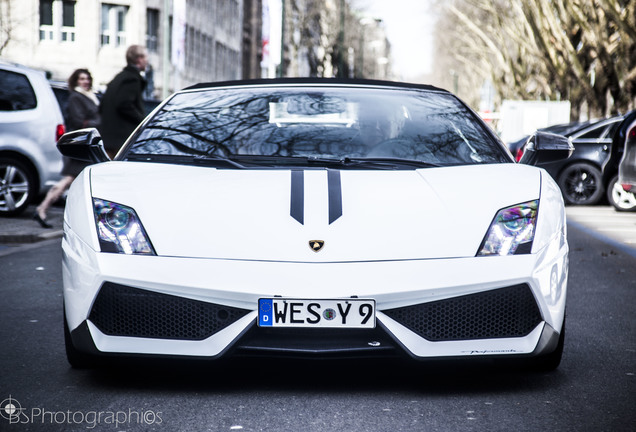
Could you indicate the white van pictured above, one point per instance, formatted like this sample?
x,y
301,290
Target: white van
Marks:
x,y
30,124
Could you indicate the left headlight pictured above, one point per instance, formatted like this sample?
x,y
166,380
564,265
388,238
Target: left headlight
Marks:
x,y
512,230
119,229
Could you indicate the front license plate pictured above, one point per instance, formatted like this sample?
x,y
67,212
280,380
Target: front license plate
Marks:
x,y
350,313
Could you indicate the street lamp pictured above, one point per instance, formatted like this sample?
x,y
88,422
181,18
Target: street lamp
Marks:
x,y
382,62
341,40
455,76
281,67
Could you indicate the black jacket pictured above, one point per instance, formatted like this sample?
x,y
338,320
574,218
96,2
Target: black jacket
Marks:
x,y
122,107
82,113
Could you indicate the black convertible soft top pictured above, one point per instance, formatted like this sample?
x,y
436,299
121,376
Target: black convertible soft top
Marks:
x,y
272,81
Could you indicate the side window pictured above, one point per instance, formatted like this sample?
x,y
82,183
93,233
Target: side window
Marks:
x,y
16,93
594,133
612,129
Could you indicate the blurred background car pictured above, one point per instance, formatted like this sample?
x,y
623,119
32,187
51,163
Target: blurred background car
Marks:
x,y
585,177
30,124
621,192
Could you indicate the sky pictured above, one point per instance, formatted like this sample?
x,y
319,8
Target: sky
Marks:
x,y
409,25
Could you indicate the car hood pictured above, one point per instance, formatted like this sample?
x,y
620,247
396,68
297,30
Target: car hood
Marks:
x,y
279,214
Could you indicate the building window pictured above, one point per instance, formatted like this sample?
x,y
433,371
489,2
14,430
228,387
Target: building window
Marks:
x,y
152,30
57,20
46,19
113,28
68,21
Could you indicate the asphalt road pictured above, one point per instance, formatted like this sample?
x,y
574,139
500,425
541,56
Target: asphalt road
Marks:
x,y
593,390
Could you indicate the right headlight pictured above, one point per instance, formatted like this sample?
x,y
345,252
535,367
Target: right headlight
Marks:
x,y
119,229
512,230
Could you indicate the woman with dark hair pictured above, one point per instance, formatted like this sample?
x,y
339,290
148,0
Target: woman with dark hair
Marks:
x,y
83,112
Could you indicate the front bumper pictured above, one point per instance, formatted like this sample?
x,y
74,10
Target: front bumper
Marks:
x,y
206,308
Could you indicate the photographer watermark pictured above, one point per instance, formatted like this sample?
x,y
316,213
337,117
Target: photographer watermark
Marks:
x,y
13,413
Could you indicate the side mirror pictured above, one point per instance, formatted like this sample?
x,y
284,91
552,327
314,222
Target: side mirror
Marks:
x,y
83,144
544,147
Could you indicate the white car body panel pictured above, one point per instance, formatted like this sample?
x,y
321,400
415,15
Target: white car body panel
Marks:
x,y
238,214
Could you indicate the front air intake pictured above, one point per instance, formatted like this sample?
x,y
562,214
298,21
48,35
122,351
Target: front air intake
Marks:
x,y
501,313
125,311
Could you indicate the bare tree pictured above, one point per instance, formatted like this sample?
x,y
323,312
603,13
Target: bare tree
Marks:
x,y
310,37
6,24
580,50
320,38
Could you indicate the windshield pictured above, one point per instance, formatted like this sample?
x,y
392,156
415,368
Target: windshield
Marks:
x,y
271,126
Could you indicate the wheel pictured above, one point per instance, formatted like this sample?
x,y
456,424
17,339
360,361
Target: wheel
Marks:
x,y
581,183
619,197
17,186
549,362
77,359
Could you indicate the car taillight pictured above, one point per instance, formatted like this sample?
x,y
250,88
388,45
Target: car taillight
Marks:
x,y
59,131
632,133
519,153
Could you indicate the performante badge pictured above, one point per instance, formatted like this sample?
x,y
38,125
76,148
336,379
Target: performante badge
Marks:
x,y
316,245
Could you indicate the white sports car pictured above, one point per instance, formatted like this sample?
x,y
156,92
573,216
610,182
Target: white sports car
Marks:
x,y
314,217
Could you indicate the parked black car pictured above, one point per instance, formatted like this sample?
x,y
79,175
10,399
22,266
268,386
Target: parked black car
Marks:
x,y
584,177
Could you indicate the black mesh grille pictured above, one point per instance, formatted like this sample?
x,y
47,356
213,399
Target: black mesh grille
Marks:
x,y
501,313
124,311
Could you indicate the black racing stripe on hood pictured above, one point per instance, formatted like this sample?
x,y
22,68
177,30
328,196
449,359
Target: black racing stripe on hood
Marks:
x,y
297,201
297,198
335,195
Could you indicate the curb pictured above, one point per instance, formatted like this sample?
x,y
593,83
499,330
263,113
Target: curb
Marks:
x,y
30,237
23,229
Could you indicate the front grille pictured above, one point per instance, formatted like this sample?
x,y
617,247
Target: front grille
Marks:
x,y
125,311
500,313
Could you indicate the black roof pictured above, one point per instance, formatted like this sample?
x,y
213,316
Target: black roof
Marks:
x,y
271,81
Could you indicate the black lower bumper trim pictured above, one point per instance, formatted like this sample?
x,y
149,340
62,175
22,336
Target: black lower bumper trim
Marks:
x,y
322,343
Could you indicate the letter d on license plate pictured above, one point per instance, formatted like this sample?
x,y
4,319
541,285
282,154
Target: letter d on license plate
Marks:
x,y
350,313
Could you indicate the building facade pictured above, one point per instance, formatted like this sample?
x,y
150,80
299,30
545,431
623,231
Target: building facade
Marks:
x,y
59,36
219,39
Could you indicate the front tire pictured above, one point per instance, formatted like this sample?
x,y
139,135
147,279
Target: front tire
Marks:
x,y
581,183
619,197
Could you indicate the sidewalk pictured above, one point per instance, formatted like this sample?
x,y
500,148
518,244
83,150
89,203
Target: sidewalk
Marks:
x,y
23,229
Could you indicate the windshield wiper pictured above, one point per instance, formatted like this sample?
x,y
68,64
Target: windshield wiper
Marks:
x,y
311,161
253,161
208,160
214,159
340,163
386,162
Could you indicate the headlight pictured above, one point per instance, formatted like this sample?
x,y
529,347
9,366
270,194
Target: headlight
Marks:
x,y
119,229
512,231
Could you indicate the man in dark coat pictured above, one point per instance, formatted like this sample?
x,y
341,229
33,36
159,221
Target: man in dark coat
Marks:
x,y
122,107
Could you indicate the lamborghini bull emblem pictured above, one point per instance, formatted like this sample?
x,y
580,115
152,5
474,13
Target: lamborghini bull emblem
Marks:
x,y
316,245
